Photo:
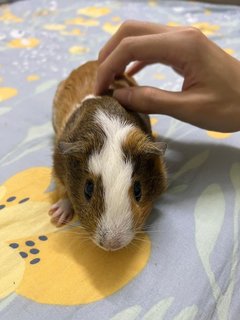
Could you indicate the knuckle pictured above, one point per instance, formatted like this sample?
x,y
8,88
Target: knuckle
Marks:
x,y
128,25
126,42
127,45
148,93
193,33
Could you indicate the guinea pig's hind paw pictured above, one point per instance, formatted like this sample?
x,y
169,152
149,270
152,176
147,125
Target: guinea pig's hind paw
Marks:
x,y
61,212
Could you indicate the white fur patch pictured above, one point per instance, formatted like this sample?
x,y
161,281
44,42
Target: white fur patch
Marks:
x,y
87,97
116,222
90,96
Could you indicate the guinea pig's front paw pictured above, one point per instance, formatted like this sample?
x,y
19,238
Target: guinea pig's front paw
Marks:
x,y
61,212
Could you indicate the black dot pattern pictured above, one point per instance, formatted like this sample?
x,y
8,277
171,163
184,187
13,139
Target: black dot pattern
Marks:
x,y
34,251
10,199
34,261
14,245
23,200
30,243
23,254
42,238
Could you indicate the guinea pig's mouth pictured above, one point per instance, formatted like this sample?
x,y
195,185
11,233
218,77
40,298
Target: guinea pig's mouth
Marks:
x,y
112,244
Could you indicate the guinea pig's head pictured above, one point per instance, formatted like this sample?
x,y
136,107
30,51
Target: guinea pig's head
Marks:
x,y
115,172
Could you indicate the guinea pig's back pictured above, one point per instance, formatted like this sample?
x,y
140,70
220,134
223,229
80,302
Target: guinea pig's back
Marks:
x,y
71,92
79,84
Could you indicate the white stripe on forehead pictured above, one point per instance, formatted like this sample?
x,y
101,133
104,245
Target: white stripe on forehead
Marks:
x,y
115,172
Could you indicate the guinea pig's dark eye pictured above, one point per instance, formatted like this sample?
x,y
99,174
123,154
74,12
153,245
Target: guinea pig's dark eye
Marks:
x,y
88,190
137,189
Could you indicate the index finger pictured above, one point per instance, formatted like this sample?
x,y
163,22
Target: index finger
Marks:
x,y
166,48
131,28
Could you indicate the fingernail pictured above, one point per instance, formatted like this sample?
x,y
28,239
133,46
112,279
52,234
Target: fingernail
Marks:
x,y
123,96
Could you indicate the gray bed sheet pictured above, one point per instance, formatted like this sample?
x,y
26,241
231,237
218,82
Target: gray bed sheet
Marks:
x,y
186,266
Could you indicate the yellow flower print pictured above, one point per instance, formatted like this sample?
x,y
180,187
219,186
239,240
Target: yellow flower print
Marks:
x,y
159,76
8,17
24,43
153,121
23,207
173,24
218,135
70,262
7,93
207,12
62,267
78,50
33,77
54,27
152,3
207,28
229,51
94,12
73,32
116,19
83,22
111,27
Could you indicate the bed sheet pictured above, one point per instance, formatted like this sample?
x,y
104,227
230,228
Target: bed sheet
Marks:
x,y
186,266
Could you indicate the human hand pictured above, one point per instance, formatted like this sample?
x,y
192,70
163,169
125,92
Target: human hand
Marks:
x,y
210,96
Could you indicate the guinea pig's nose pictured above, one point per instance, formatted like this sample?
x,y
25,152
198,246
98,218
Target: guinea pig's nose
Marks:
x,y
111,244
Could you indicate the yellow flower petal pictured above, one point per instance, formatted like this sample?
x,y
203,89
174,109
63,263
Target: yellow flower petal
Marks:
x,y
23,43
3,191
173,24
159,76
206,27
110,28
7,93
83,22
116,19
8,17
229,51
218,135
73,32
12,268
152,3
78,50
207,12
35,181
94,12
33,77
25,219
153,121
84,272
54,27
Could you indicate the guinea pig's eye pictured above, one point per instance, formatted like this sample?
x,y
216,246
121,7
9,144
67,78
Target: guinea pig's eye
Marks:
x,y
88,190
137,189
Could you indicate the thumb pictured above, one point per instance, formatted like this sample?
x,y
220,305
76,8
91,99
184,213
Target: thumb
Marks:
x,y
152,100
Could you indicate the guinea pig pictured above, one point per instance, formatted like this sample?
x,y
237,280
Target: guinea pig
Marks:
x,y
107,167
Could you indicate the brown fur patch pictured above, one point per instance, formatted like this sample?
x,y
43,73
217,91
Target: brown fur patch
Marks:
x,y
149,170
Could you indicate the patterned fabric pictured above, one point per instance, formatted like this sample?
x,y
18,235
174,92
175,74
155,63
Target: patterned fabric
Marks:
x,y
186,265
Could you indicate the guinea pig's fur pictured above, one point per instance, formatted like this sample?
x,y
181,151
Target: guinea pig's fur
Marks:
x,y
107,166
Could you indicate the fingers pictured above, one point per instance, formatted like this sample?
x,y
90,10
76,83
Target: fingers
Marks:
x,y
149,99
180,105
135,68
167,48
131,28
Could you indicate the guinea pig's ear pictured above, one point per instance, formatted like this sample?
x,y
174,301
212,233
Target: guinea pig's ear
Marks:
x,y
71,148
157,148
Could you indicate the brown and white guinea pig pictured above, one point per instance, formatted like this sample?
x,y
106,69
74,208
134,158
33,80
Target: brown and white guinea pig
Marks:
x,y
107,166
